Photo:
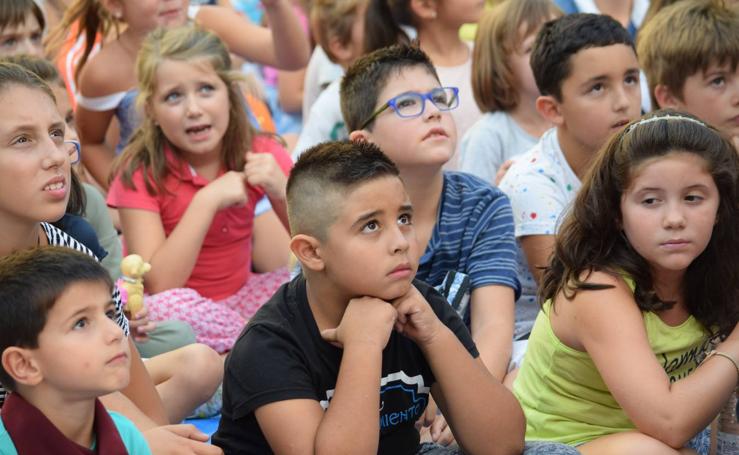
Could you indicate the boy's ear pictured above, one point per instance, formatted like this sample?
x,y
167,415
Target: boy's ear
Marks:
x,y
341,52
665,98
549,108
424,9
308,251
359,136
21,365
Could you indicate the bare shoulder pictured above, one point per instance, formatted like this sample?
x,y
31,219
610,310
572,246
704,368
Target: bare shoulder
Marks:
x,y
107,72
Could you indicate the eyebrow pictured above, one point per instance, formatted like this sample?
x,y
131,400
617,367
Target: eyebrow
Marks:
x,y
366,217
603,77
89,307
697,186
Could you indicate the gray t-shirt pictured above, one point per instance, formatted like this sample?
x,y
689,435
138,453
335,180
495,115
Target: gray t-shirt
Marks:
x,y
490,142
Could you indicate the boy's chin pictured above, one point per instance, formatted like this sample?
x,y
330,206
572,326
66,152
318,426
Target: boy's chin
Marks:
x,y
395,291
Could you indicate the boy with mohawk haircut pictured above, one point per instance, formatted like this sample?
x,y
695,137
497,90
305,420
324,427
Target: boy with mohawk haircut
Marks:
x,y
349,352
689,52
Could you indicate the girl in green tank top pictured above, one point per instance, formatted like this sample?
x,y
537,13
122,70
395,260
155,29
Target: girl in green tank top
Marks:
x,y
643,282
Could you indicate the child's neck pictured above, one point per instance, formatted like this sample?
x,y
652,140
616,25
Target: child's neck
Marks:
x,y
577,154
619,9
74,418
442,44
326,301
18,236
528,118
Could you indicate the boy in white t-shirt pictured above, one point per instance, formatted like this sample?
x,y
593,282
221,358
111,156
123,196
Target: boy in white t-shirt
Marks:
x,y
586,69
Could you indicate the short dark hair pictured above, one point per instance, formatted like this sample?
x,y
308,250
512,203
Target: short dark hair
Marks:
x,y
31,281
560,39
325,172
365,78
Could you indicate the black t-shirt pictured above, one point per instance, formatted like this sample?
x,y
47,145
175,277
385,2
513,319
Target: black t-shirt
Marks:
x,y
281,356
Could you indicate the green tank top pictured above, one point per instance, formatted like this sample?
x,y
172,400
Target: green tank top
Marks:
x,y
563,395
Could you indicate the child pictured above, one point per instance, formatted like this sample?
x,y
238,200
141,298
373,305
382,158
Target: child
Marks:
x,y
644,276
695,69
34,190
21,28
338,26
393,98
438,24
61,347
354,324
107,83
504,87
187,184
588,76
87,220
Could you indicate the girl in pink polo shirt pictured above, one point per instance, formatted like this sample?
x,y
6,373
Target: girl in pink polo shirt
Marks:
x,y
187,184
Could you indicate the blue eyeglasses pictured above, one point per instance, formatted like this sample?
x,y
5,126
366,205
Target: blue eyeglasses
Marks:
x,y
74,150
413,104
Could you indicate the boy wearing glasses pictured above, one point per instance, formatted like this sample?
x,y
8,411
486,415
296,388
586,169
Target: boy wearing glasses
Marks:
x,y
393,98
344,358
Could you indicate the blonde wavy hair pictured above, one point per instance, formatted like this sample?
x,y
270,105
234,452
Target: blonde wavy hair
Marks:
x,y
146,148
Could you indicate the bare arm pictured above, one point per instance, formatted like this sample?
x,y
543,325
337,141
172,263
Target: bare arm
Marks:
x,y
97,156
610,327
290,88
491,322
538,249
287,49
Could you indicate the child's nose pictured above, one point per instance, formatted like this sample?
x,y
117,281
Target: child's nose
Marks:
x,y
674,218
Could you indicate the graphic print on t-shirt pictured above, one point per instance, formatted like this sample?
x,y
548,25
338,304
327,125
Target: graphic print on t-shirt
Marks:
x,y
402,399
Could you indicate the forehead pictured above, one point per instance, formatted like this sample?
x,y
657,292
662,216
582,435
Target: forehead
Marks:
x,y
23,105
682,167
78,296
380,194
609,61
416,78
173,72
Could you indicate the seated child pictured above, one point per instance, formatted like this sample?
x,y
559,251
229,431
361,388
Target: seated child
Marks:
x,y
61,349
504,87
695,71
349,351
643,283
588,75
393,98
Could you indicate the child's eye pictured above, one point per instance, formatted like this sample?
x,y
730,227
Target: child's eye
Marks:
x,y
631,80
22,140
9,42
111,314
80,324
649,201
36,37
57,134
693,198
440,98
597,88
171,97
371,226
207,88
405,219
718,81
404,103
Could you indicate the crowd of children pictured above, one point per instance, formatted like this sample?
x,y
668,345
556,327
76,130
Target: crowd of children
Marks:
x,y
488,247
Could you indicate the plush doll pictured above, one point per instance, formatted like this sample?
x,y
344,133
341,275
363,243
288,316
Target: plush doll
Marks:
x,y
131,283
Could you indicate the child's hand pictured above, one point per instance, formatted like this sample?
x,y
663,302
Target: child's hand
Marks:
x,y
227,190
439,430
261,169
366,320
141,325
416,319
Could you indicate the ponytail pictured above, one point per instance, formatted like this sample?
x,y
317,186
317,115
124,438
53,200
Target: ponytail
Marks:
x,y
91,18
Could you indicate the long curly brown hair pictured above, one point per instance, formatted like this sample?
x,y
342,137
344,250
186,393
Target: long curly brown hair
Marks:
x,y
590,238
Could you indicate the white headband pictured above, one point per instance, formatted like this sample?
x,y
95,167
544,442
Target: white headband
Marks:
x,y
663,117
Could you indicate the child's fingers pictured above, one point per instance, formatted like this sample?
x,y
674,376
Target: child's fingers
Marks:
x,y
188,431
331,335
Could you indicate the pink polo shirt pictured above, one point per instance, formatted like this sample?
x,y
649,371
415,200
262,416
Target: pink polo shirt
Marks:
x,y
224,262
